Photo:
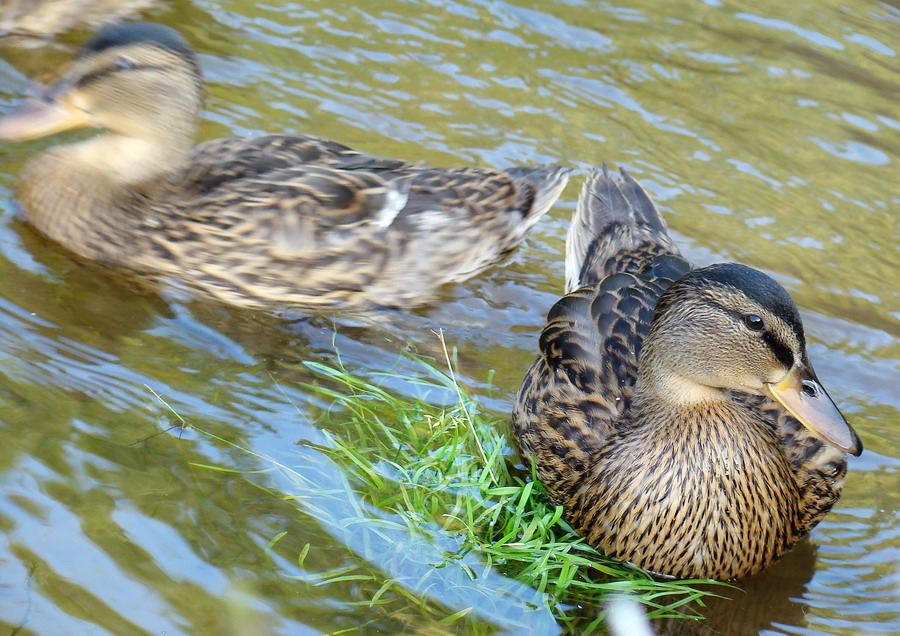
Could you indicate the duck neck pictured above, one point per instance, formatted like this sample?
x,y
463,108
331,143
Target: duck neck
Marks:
x,y
659,382
670,405
698,424
127,161
664,385
82,193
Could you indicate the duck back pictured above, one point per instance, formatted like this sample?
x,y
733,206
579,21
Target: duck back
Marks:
x,y
619,260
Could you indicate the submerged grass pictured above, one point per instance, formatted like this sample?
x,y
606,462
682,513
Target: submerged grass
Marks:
x,y
442,526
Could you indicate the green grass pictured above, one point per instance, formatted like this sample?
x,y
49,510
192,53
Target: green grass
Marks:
x,y
442,527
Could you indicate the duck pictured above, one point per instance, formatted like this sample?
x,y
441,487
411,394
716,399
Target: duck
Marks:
x,y
51,17
274,221
673,411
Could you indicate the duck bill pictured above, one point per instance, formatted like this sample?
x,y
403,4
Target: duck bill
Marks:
x,y
41,116
804,398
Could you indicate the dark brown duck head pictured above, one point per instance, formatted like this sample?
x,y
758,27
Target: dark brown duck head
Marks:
x,y
731,327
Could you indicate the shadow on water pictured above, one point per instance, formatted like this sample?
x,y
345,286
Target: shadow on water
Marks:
x,y
767,601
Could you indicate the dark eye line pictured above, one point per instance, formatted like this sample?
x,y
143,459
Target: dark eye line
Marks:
x,y
758,325
111,70
780,350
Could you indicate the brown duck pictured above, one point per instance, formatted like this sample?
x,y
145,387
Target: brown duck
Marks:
x,y
673,411
274,220
48,17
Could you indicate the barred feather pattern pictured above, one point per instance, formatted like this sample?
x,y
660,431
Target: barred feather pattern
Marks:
x,y
293,221
717,490
270,221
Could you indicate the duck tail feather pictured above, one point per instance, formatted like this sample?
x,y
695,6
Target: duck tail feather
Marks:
x,y
609,206
644,210
548,182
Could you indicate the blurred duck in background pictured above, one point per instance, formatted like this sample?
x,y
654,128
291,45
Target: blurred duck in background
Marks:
x,y
257,222
50,17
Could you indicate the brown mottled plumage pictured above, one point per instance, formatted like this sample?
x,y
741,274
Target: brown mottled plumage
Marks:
x,y
49,17
673,411
274,220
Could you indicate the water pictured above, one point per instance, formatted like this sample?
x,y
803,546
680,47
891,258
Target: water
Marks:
x,y
767,134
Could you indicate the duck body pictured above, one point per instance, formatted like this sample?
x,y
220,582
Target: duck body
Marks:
x,y
274,220
49,17
654,414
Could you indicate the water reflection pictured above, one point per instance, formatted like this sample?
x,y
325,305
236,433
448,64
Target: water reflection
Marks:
x,y
767,601
767,135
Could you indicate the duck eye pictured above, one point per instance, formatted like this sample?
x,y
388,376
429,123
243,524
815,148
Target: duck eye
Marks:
x,y
754,322
123,64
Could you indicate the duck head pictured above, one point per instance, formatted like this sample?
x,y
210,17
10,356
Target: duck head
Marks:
x,y
729,327
139,81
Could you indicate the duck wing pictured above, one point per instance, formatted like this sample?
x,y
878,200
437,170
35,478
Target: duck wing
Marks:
x,y
220,162
338,185
503,204
575,393
319,205
291,213
343,228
